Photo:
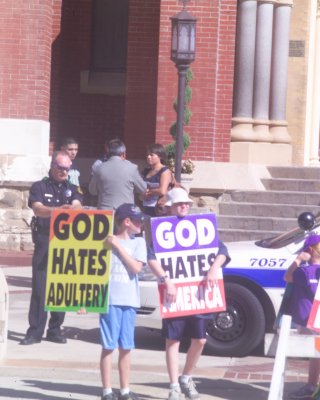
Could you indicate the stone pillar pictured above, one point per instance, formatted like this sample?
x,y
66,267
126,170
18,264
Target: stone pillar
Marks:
x,y
25,81
279,71
313,91
262,72
24,115
242,123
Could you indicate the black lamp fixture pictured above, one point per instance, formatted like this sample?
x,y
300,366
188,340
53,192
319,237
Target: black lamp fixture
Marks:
x,y
183,51
183,36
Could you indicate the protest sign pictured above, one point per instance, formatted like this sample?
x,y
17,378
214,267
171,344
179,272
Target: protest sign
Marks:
x,y
78,261
186,248
314,317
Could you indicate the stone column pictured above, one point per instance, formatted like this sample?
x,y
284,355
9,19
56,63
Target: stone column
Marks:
x,y
25,79
262,72
313,96
242,129
279,71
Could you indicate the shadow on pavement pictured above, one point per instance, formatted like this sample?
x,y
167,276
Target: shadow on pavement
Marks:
x,y
71,389
15,336
226,389
86,335
41,386
18,281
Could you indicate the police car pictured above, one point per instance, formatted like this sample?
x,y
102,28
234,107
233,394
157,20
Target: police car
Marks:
x,y
254,288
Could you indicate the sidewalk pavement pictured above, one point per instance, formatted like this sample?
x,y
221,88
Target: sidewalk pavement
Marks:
x,y
49,371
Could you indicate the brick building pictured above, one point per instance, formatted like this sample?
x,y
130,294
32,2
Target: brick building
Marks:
x,y
53,83
96,69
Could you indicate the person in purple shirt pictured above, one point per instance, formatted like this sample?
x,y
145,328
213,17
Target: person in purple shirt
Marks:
x,y
304,275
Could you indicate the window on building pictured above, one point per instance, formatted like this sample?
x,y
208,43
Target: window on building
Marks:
x,y
109,36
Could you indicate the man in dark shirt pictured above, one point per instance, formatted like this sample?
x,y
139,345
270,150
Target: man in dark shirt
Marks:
x,y
54,191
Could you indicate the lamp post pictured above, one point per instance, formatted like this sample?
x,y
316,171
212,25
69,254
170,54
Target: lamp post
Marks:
x,y
183,41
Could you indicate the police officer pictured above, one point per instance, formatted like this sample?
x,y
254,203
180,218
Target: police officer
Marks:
x,y
54,191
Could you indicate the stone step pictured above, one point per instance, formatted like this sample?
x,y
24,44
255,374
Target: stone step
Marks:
x,y
236,235
265,209
295,172
273,197
294,185
255,215
256,223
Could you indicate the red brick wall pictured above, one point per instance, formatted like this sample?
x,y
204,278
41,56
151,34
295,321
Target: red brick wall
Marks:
x,y
92,118
141,99
25,54
53,37
212,85
55,73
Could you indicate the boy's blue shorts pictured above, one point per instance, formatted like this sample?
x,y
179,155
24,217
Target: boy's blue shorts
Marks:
x,y
191,327
117,328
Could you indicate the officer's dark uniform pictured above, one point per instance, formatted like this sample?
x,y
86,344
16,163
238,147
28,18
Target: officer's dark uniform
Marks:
x,y
52,194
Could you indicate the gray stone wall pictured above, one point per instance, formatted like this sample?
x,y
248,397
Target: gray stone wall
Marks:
x,y
15,217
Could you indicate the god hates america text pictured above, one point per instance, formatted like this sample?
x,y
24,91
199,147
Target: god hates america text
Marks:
x,y
186,248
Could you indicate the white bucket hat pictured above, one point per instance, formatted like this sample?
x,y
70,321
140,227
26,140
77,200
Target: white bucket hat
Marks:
x,y
177,195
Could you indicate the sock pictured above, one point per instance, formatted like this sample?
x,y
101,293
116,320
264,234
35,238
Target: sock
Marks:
x,y
124,391
185,378
174,386
106,391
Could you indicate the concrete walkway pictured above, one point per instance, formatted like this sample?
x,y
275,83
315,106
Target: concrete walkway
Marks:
x,y
48,371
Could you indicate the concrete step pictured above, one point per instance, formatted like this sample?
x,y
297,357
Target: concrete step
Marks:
x,y
273,197
235,235
295,172
255,223
294,185
265,209
255,215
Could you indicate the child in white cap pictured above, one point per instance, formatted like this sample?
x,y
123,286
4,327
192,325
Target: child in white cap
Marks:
x,y
193,327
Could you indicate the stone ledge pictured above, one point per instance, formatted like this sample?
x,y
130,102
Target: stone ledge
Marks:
x,y
214,178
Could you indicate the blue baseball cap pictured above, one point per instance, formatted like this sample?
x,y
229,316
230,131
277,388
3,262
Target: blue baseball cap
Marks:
x,y
128,210
311,240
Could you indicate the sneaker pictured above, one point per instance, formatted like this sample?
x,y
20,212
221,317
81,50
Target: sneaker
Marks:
x,y
128,396
174,394
189,389
110,396
305,392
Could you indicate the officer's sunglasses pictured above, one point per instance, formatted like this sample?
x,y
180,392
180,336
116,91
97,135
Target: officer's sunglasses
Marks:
x,y
60,168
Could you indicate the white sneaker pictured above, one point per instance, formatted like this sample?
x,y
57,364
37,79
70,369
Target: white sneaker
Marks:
x,y
189,389
174,394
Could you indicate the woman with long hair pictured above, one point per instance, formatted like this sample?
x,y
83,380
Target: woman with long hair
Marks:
x,y
158,178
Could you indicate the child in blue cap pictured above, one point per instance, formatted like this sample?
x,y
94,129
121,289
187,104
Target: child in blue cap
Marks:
x,y
117,326
304,274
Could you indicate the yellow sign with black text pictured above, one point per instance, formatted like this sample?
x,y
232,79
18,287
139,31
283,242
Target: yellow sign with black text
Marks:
x,y
78,261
